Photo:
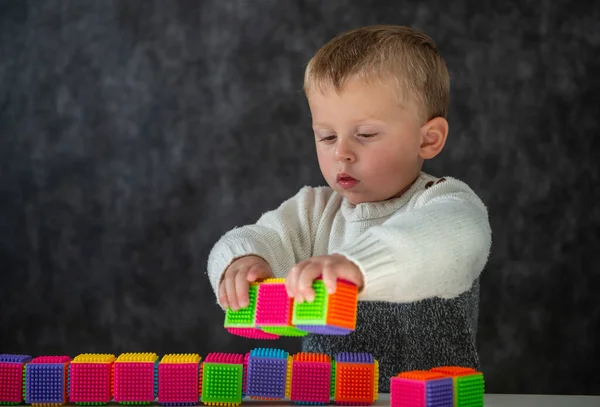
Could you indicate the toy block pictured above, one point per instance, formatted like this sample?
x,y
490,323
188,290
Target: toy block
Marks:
x,y
12,378
328,314
267,374
421,388
274,309
469,385
243,321
135,378
222,379
91,378
311,378
179,380
46,380
354,379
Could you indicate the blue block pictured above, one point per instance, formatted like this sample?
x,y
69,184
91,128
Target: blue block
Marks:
x,y
8,358
354,357
45,383
266,377
440,393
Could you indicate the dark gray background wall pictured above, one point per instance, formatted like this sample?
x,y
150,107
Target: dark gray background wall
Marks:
x,y
134,133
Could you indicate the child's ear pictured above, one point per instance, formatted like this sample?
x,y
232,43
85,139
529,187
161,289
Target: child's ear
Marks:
x,y
433,137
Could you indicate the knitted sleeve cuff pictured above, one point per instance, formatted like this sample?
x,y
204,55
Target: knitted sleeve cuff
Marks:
x,y
368,254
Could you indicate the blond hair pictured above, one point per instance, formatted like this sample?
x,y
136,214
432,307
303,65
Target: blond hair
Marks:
x,y
409,57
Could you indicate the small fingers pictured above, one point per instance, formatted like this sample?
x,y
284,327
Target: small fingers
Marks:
x,y
223,295
291,282
330,279
305,282
231,293
241,288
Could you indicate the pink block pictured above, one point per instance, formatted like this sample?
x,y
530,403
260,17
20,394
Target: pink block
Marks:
x,y
134,381
51,359
273,306
311,382
252,333
178,382
11,382
217,357
407,393
91,382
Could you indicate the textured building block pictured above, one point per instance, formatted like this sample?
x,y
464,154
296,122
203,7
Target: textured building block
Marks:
x,y
222,379
267,374
333,314
46,380
421,388
274,309
135,378
90,379
12,378
179,379
243,321
469,385
311,378
355,379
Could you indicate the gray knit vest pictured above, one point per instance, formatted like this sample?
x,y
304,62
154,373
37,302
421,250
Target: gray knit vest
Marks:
x,y
410,336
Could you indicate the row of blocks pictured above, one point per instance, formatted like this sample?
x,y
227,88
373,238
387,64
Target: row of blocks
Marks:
x,y
222,379
271,313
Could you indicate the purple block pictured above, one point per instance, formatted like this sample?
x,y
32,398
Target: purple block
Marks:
x,y
266,377
355,357
439,393
324,329
45,383
14,358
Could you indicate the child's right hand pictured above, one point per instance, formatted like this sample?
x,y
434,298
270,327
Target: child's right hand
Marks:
x,y
234,286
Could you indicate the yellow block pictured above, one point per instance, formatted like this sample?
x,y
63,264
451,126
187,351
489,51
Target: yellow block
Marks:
x,y
176,358
94,358
137,357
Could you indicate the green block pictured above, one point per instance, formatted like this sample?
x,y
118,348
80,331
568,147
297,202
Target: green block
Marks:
x,y
222,383
469,390
284,330
332,389
312,313
244,317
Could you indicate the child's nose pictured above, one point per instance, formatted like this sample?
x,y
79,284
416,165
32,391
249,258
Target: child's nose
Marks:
x,y
343,152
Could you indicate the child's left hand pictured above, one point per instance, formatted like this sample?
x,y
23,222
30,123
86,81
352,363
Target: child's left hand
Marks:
x,y
331,267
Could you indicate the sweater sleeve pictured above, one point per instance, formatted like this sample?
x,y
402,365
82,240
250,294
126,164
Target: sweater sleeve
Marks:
x,y
436,247
282,237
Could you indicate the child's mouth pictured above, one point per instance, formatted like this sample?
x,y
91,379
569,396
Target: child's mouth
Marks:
x,y
346,182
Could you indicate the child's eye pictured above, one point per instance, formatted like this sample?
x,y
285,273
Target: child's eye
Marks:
x,y
329,138
367,135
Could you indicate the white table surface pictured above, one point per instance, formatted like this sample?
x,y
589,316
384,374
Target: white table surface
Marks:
x,y
491,400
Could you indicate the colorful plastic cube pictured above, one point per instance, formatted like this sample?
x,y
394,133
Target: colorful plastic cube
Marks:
x,y
311,378
355,379
421,388
135,378
90,379
328,314
12,378
267,374
179,379
243,321
46,380
469,386
222,379
274,309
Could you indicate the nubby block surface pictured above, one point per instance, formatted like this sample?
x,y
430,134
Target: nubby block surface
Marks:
x,y
12,378
311,378
179,379
135,380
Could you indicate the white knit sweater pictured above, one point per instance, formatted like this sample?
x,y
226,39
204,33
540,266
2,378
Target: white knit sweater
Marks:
x,y
433,241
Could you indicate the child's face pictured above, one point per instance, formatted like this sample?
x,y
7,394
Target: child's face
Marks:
x,y
367,144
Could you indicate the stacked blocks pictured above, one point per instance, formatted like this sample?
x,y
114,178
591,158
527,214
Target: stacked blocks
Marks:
x,y
135,378
222,379
90,379
421,388
243,321
46,380
311,378
274,309
468,385
333,314
179,379
356,379
267,374
12,379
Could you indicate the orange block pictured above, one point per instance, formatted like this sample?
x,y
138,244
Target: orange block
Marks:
x,y
354,382
343,306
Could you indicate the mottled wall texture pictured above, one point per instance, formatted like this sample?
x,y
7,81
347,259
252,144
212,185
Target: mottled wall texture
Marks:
x,y
134,133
